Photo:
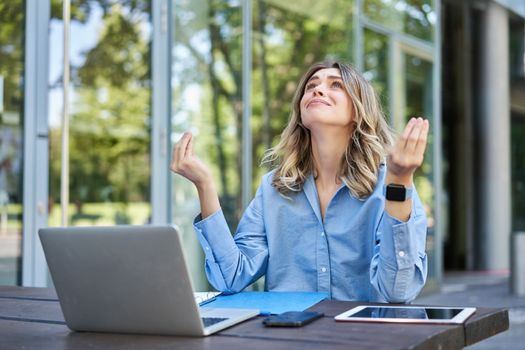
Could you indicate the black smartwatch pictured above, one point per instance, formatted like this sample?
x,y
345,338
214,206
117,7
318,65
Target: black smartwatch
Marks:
x,y
397,193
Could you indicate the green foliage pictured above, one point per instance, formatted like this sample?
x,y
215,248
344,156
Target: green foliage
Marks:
x,y
110,123
12,35
376,61
103,214
287,40
81,10
120,58
207,91
11,53
208,47
518,174
413,17
109,127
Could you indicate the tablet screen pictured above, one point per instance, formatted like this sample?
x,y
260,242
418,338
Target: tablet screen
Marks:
x,y
409,314
415,313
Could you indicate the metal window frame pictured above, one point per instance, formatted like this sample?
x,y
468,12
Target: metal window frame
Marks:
x,y
438,165
246,180
36,158
161,113
359,47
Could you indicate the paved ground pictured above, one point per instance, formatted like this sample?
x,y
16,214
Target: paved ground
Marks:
x,y
486,289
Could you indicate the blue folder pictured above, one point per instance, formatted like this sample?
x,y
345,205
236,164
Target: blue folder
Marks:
x,y
269,302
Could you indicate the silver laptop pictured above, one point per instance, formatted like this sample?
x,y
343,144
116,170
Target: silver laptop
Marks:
x,y
128,279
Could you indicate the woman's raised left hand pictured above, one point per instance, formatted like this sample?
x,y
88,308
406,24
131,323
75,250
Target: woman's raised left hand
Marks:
x,y
408,153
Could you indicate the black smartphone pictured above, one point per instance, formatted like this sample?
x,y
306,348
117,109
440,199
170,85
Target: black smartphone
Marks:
x,y
292,319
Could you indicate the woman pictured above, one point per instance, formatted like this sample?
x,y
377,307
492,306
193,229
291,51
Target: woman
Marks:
x,y
332,217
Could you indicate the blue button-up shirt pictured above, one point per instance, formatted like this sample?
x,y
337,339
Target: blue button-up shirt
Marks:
x,y
358,252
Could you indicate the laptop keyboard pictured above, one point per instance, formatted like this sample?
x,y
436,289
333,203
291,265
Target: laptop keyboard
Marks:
x,y
209,321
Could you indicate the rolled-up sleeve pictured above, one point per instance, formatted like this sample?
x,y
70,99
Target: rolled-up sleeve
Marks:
x,y
399,265
232,263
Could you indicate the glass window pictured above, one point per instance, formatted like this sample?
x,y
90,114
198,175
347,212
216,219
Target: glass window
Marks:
x,y
288,38
376,65
518,171
207,100
12,21
418,102
413,17
109,151
517,48
418,94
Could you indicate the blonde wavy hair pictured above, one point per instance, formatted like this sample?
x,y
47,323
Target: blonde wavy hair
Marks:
x,y
366,148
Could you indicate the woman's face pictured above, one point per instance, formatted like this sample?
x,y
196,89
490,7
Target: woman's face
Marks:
x,y
325,101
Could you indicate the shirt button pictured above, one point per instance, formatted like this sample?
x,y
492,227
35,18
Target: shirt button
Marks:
x,y
323,269
207,248
322,234
401,254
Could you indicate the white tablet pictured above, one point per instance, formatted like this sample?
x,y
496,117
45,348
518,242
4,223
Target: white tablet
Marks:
x,y
407,314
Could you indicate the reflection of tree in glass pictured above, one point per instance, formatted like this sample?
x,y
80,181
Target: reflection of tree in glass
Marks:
x,y
11,53
11,106
418,85
414,17
376,65
207,58
109,128
287,39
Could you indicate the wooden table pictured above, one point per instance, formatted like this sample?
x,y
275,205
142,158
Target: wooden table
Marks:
x,y
30,318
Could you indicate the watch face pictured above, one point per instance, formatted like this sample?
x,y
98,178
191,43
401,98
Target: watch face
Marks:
x,y
395,193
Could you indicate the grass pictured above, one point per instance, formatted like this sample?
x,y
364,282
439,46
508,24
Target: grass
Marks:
x,y
108,213
136,213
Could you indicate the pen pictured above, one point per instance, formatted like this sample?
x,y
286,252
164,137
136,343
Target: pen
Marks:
x,y
207,301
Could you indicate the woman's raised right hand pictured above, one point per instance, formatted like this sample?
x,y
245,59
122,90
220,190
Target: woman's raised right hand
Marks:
x,y
185,163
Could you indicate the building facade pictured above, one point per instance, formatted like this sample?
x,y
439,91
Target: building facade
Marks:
x,y
143,72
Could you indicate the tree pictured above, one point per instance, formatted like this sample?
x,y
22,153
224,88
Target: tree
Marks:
x,y
12,34
110,128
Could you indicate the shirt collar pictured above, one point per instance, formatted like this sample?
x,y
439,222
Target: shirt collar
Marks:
x,y
311,194
310,190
